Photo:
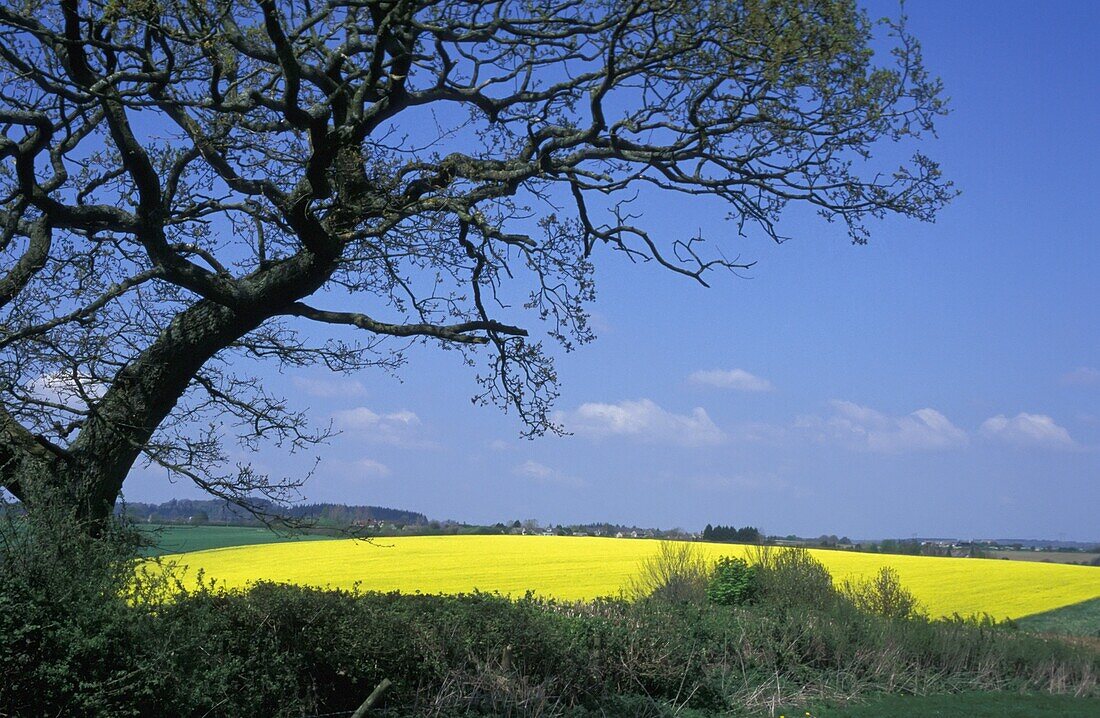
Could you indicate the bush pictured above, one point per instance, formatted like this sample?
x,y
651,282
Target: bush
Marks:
x,y
70,640
792,577
883,596
732,582
677,573
281,651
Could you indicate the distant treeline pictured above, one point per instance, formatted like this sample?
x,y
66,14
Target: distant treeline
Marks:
x,y
343,513
221,511
747,534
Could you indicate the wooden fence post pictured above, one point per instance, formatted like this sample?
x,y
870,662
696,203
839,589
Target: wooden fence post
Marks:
x,y
373,698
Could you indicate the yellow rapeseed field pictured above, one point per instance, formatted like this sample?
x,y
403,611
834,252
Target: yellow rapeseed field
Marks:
x,y
587,567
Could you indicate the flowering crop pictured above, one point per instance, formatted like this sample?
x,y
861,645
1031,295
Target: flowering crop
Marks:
x,y
574,568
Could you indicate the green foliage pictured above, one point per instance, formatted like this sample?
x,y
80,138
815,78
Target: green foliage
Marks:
x,y
280,651
792,577
883,595
732,582
78,637
747,534
70,639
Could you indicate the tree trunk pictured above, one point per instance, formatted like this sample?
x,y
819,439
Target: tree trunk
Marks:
x,y
89,474
87,478
141,396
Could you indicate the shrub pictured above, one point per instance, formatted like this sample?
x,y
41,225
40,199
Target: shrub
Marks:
x,y
792,577
70,640
883,596
678,573
732,582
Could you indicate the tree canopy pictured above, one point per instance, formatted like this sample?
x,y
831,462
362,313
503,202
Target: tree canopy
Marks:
x,y
186,184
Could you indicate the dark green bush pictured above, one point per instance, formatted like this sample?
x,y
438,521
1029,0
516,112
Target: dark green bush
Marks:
x,y
732,582
282,651
792,577
70,639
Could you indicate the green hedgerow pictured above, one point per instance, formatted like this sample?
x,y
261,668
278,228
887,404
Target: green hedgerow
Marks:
x,y
732,582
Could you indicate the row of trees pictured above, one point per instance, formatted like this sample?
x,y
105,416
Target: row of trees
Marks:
x,y
221,511
747,534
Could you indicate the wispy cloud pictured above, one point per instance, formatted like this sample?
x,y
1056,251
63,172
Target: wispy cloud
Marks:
x,y
1027,430
643,420
67,390
329,388
399,428
371,468
352,468
863,428
1082,376
544,474
736,379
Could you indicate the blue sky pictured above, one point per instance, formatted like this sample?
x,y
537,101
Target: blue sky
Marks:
x,y
943,380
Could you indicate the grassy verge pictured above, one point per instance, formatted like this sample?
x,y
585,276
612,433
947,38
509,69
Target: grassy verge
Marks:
x,y
960,705
1080,619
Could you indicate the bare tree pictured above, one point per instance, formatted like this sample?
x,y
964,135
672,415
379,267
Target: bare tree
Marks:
x,y
186,184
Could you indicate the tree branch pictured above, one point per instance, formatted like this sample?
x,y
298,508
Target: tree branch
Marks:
x,y
447,332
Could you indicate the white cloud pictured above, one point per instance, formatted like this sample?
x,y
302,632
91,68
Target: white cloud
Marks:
x,y
351,469
534,469
737,379
1082,376
544,474
371,468
329,388
643,420
399,428
864,428
65,389
1028,430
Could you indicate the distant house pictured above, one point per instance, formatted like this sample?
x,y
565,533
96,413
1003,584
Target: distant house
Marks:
x,y
618,534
